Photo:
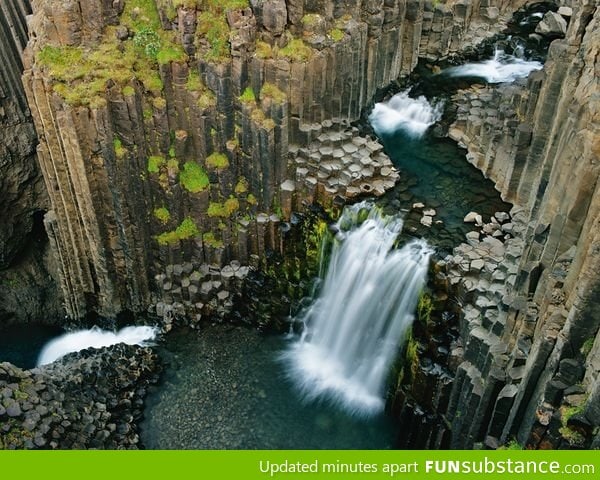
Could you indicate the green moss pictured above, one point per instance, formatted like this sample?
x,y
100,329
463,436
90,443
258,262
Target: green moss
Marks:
x,y
187,229
206,100
424,308
194,82
411,356
154,163
193,177
172,152
272,91
567,412
214,28
159,103
128,91
162,214
217,160
120,150
138,14
296,50
153,83
173,166
80,74
224,210
258,116
210,240
241,186
587,346
251,199
512,445
263,50
171,53
248,96
574,438
336,34
310,19
184,3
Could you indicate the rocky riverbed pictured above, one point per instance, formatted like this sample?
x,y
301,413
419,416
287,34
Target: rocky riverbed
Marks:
x,y
90,399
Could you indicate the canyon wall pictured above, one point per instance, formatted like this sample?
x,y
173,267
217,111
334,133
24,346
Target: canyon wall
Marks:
x,y
183,134
532,374
26,287
176,139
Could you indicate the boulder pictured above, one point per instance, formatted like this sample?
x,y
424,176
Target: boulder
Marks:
x,y
565,12
427,220
473,217
552,25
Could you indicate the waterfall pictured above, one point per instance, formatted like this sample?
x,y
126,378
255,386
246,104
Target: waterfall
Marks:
x,y
94,338
411,115
354,328
502,68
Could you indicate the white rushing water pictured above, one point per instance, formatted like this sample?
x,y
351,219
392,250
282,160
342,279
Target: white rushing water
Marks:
x,y
94,338
367,302
500,69
401,112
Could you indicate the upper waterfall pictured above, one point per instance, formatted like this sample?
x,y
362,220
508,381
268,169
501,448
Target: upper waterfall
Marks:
x,y
503,67
354,328
401,112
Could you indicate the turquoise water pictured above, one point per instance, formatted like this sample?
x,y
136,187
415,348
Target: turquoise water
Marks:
x,y
225,388
21,344
434,171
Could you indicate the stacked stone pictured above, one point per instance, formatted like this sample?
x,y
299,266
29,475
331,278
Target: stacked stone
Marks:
x,y
105,254
451,27
339,162
539,150
482,272
189,292
90,399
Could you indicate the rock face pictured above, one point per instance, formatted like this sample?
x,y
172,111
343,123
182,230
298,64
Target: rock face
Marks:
x,y
19,178
530,359
210,123
90,399
23,261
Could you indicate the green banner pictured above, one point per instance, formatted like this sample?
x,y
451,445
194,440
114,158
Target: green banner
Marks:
x,y
301,464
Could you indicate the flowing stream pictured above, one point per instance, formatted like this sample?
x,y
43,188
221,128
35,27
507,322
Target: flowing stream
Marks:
x,y
503,67
366,305
94,338
413,116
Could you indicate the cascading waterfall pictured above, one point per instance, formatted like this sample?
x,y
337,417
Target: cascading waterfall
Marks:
x,y
500,69
354,328
411,115
94,338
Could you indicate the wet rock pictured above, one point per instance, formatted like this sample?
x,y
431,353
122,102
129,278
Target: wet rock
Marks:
x,y
552,25
565,11
473,217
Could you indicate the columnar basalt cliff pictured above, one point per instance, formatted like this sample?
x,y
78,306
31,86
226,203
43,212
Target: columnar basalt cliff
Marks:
x,y
22,262
176,138
168,128
532,372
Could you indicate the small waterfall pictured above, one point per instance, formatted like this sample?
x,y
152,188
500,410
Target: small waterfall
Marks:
x,y
94,338
354,328
411,115
500,69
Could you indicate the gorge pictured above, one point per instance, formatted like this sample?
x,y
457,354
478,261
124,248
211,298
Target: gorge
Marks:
x,y
191,165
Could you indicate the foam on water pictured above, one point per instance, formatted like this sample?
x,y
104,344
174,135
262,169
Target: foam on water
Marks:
x,y
355,326
500,69
401,112
94,338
